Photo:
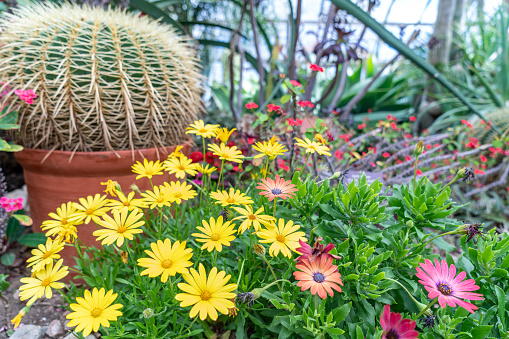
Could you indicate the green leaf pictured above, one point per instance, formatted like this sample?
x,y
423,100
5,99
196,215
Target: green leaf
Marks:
x,y
487,254
501,306
8,259
481,332
24,220
32,239
3,283
156,13
285,98
341,313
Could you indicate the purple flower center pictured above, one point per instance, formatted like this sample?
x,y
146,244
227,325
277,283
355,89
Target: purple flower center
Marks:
x,y
392,335
318,277
276,191
444,289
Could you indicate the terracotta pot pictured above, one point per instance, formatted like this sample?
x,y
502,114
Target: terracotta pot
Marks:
x,y
59,179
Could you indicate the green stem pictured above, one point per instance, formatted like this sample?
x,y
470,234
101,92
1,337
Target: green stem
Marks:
x,y
306,163
176,221
415,174
266,168
440,235
401,285
273,273
171,286
274,213
427,308
220,175
189,327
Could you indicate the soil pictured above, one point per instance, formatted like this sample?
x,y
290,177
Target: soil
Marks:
x,y
43,311
13,171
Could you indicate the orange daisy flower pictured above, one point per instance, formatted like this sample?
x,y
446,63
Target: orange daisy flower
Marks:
x,y
320,275
278,188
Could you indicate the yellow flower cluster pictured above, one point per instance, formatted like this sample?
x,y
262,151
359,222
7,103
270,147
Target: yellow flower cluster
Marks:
x,y
123,216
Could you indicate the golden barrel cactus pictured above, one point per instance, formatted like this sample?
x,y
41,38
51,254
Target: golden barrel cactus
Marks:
x,y
105,79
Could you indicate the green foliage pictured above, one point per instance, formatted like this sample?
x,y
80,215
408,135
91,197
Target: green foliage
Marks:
x,y
8,123
428,205
4,284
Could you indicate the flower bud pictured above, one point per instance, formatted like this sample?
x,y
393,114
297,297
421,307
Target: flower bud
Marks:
x,y
148,313
410,223
465,173
135,188
226,214
259,250
428,312
419,148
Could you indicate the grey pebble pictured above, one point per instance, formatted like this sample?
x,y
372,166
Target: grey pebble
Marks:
x,y
28,332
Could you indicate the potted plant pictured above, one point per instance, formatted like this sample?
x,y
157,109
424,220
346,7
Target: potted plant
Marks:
x,y
112,88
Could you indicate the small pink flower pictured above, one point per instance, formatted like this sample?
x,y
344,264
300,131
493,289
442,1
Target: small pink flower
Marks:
x,y
395,327
316,68
272,107
386,154
295,83
251,105
441,281
27,95
412,118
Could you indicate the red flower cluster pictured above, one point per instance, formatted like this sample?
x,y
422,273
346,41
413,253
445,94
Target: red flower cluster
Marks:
x,y
345,137
330,137
473,143
251,105
412,118
339,155
305,104
295,83
196,157
294,122
282,164
391,118
361,126
271,107
316,68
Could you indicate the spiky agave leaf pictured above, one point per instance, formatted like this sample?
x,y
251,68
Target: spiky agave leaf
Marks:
x,y
105,79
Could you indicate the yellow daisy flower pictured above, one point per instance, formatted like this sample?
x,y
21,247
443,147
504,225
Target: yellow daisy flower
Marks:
x,y
231,198
227,153
123,225
130,202
156,198
166,260
251,218
90,208
60,220
42,282
216,234
44,254
223,134
21,314
208,295
178,191
269,149
313,146
320,138
111,187
147,169
67,233
283,238
199,128
94,310
205,170
180,166
176,153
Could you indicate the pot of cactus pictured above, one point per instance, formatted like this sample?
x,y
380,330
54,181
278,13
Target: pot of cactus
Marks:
x,y
112,88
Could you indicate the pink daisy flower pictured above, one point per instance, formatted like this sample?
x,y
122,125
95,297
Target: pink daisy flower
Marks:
x,y
320,275
440,281
396,328
278,188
